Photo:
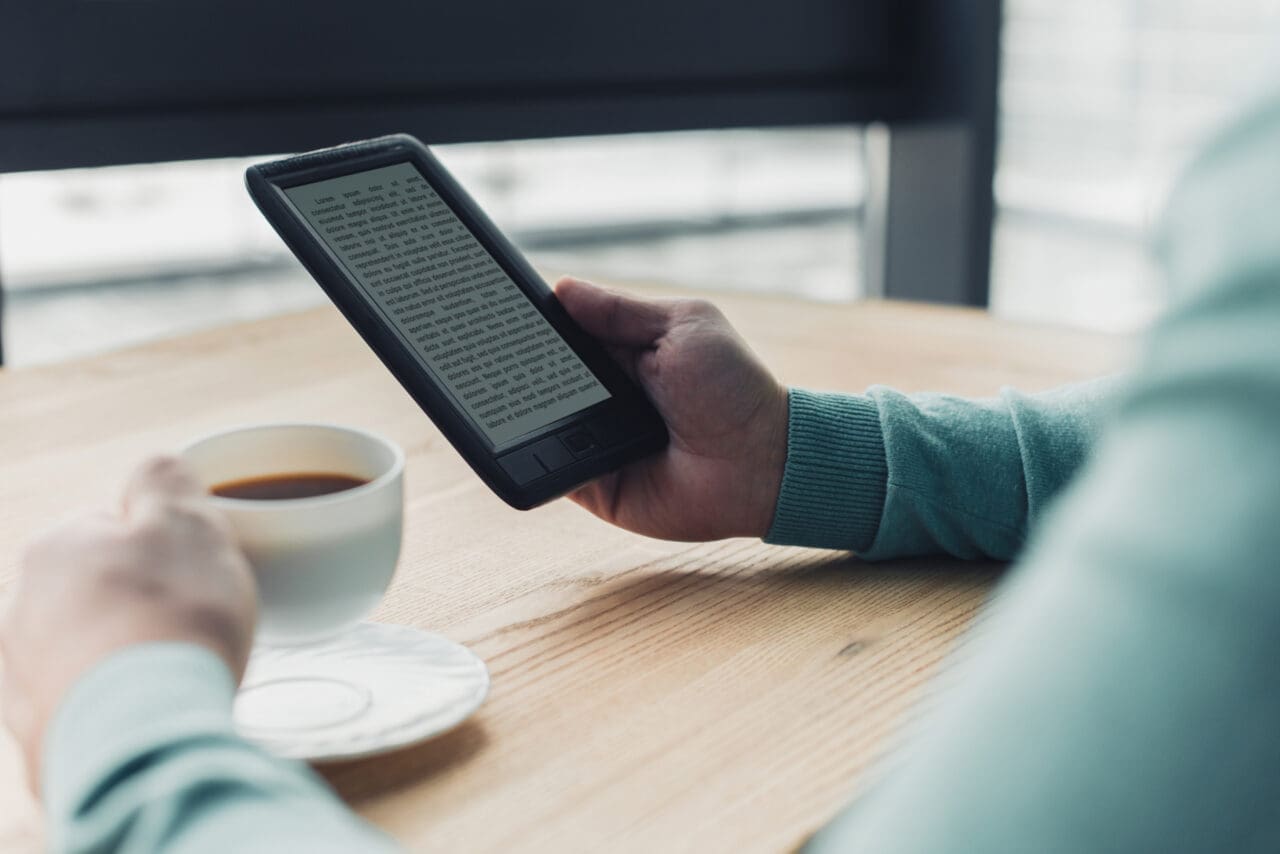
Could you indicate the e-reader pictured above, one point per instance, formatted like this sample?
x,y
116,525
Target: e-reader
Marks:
x,y
534,404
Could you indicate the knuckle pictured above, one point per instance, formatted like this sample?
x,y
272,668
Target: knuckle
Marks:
x,y
148,527
166,462
703,309
161,465
165,475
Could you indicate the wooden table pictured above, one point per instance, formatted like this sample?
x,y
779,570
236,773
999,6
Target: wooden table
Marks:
x,y
723,696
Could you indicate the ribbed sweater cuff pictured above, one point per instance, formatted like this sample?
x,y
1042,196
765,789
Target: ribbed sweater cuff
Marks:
x,y
833,487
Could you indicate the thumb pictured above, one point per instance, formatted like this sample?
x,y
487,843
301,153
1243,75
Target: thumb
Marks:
x,y
158,482
612,317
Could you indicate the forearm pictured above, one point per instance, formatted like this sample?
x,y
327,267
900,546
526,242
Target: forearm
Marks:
x,y
142,757
1121,695
892,475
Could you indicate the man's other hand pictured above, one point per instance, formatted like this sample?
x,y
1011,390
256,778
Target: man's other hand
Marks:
x,y
727,416
162,568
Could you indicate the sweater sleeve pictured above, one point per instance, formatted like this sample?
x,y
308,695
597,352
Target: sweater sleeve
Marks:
x,y
892,475
142,757
1121,692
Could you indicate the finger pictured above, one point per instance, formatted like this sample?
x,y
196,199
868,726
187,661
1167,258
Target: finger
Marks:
x,y
597,496
159,482
612,317
585,497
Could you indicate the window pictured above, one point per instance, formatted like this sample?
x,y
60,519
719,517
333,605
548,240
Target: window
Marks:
x,y
161,249
1101,103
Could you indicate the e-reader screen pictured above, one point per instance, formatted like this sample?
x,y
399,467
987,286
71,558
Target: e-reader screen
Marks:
x,y
454,307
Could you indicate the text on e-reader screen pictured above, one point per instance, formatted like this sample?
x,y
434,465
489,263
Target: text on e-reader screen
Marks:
x,y
452,304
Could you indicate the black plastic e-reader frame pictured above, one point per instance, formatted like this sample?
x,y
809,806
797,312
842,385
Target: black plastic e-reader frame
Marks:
x,y
533,403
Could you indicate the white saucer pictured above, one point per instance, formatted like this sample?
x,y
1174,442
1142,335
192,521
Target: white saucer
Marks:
x,y
374,688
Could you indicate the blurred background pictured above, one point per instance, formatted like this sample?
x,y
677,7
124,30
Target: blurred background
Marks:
x,y
1100,103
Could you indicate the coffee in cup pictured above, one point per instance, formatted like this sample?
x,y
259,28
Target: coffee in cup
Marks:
x,y
282,487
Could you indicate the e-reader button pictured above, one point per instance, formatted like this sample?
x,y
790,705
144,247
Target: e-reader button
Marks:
x,y
551,453
522,465
580,441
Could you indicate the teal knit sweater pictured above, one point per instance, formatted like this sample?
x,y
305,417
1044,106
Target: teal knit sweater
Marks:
x,y
1122,694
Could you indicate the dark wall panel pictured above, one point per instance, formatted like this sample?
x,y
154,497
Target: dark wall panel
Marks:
x,y
74,55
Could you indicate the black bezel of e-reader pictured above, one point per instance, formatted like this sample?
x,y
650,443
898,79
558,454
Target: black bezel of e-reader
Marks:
x,y
530,469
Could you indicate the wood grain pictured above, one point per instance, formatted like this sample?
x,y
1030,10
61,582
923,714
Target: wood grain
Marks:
x,y
723,696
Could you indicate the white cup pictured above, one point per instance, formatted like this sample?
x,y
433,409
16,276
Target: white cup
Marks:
x,y
321,563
